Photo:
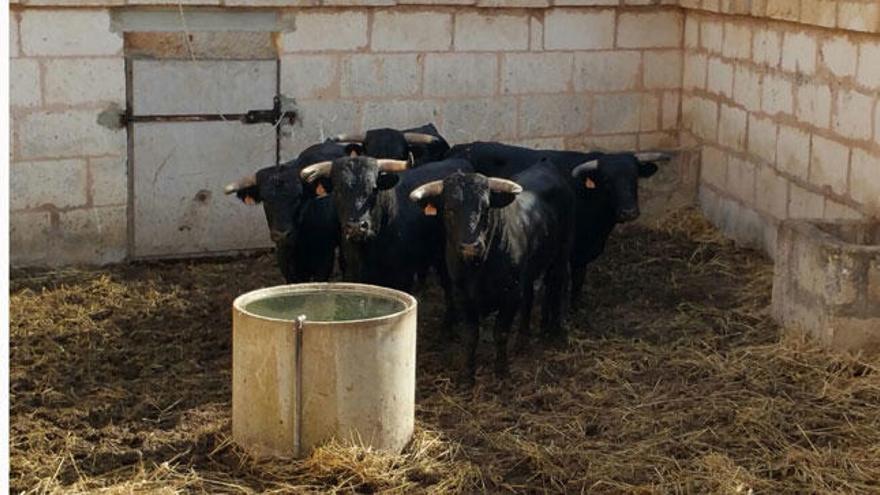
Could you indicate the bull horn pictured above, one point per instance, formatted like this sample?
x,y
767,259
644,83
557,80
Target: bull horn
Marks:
x,y
419,138
388,165
504,185
585,167
348,138
433,188
652,156
243,183
315,170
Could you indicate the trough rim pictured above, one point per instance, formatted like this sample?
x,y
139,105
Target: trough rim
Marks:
x,y
409,301
810,228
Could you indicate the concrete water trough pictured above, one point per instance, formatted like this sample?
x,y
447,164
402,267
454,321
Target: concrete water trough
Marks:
x,y
314,362
827,282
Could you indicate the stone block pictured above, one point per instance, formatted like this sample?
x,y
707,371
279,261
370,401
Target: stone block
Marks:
x,y
839,211
24,82
55,183
74,81
787,10
29,238
803,203
814,104
858,16
396,31
776,95
616,113
536,34
671,103
747,88
606,71
312,31
513,4
466,120
864,186
737,41
456,74
13,36
741,179
399,114
555,143
829,164
109,180
662,69
94,235
310,76
518,72
70,133
488,31
762,138
799,53
381,75
80,32
852,118
650,113
771,192
793,151
732,127
819,12
319,119
720,78
657,140
767,47
649,30
840,56
694,74
712,36
705,123
608,144
869,69
578,29
553,115
691,32
713,167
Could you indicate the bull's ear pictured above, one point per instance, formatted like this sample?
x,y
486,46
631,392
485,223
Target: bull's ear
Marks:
x,y
387,181
249,195
354,149
499,199
647,169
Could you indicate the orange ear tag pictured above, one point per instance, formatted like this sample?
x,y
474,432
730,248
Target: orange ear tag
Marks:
x,y
430,210
320,191
589,183
249,200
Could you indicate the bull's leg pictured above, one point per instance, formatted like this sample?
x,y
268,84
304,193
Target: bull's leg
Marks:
x,y
450,318
578,274
503,322
472,317
555,282
525,318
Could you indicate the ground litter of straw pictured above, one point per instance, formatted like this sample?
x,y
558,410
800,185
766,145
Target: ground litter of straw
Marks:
x,y
676,381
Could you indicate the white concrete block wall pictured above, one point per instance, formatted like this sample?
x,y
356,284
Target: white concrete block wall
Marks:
x,y
798,136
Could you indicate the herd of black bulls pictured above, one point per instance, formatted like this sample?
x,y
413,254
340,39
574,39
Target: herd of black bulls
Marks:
x,y
490,220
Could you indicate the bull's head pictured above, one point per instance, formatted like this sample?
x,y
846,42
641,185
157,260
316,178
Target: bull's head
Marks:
x,y
355,184
281,192
616,176
385,143
465,200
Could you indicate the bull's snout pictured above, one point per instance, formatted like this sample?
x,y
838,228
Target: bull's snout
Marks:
x,y
471,251
356,230
628,215
279,235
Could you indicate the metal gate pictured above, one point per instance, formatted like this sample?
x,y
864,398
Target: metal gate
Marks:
x,y
195,125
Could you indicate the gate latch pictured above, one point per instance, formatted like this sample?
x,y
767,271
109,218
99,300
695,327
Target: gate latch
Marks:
x,y
283,110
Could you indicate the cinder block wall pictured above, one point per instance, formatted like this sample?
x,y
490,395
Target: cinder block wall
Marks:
x,y
590,74
782,97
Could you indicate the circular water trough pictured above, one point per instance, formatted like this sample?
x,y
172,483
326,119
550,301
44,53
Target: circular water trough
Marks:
x,y
311,362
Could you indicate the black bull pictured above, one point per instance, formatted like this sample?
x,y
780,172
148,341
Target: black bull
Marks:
x,y
606,189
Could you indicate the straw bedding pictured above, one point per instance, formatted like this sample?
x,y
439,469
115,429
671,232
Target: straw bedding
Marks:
x,y
676,381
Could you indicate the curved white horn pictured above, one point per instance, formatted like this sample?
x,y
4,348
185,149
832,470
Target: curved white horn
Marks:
x,y
388,165
585,167
315,170
652,156
348,138
433,188
244,182
419,138
504,185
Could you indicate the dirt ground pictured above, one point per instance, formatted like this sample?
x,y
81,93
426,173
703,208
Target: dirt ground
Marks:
x,y
676,381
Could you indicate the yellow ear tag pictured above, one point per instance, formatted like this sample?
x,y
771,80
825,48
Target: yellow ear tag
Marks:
x,y
430,210
320,191
249,200
589,183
